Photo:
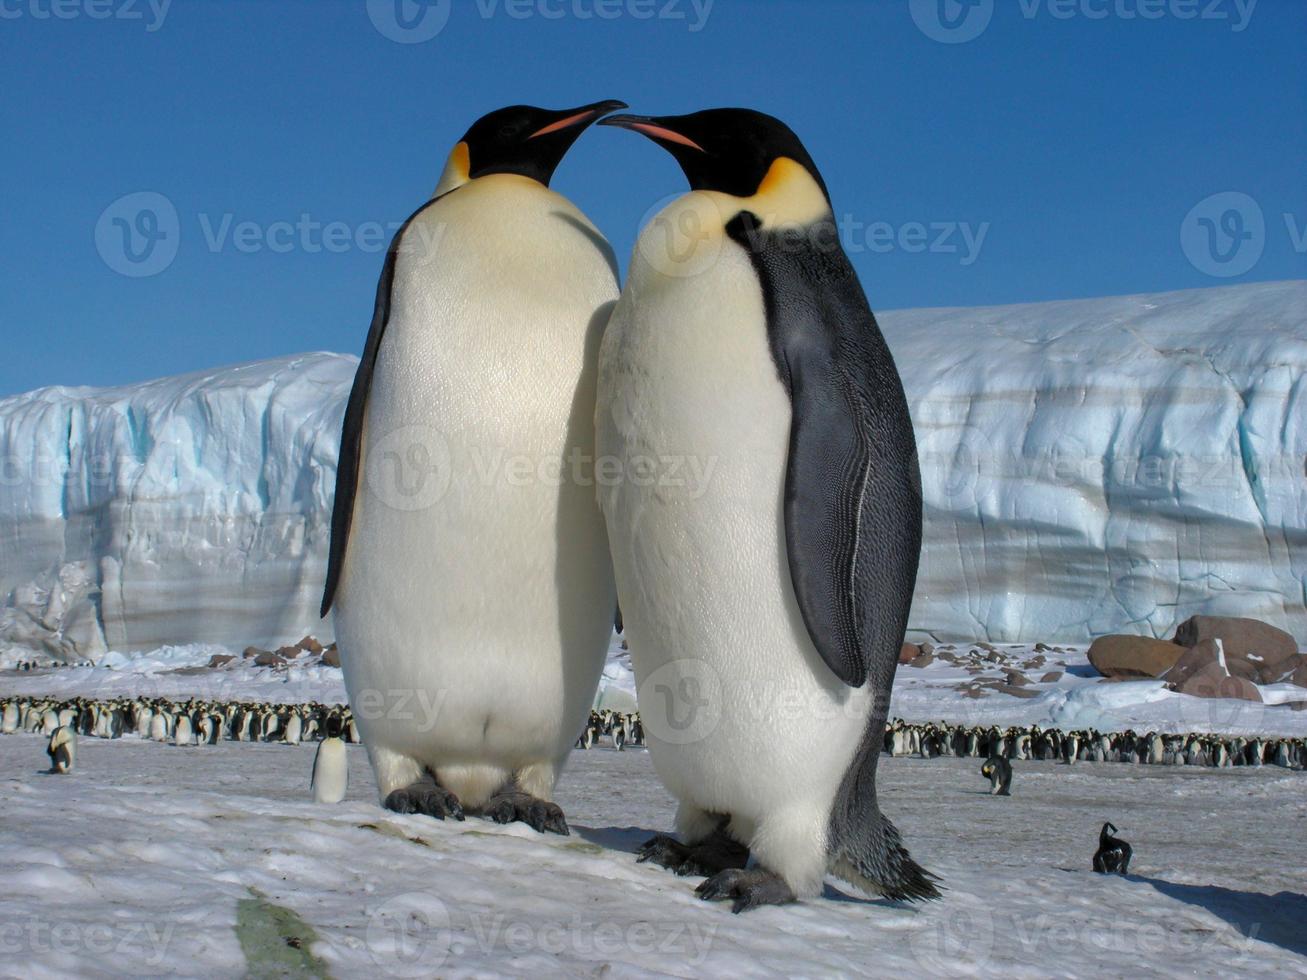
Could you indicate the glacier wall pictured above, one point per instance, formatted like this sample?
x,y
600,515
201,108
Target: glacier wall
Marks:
x,y
1088,467
194,508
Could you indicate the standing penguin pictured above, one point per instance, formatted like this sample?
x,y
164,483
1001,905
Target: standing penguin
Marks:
x,y
330,776
469,565
999,773
743,339
62,749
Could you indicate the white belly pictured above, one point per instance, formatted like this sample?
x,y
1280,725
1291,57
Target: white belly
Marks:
x,y
477,595
701,569
330,772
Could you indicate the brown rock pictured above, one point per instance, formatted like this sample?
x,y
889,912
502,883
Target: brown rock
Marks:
x,y
1133,656
1017,692
1015,677
908,653
1052,677
1041,648
973,692
1240,637
221,659
331,656
266,659
926,647
288,653
251,652
309,645
1212,682
925,660
1192,662
1299,676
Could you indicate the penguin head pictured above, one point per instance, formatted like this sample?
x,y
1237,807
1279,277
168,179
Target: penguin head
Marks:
x,y
519,139
740,152
333,726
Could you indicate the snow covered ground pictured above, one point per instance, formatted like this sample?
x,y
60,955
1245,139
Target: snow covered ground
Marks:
x,y
1076,698
1104,465
212,861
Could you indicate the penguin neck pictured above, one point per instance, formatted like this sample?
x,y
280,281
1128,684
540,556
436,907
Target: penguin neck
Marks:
x,y
788,196
457,171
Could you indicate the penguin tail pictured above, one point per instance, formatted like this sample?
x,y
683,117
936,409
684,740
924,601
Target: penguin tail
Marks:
x,y
875,860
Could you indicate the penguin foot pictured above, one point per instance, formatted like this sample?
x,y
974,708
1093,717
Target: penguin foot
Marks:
x,y
426,798
716,853
747,889
540,815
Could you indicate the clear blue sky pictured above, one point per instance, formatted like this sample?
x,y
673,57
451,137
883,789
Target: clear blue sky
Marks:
x,y
1078,144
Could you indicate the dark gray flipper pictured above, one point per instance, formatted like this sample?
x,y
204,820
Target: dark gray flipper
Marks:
x,y
351,437
852,508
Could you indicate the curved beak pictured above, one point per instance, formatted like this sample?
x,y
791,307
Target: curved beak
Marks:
x,y
580,116
655,127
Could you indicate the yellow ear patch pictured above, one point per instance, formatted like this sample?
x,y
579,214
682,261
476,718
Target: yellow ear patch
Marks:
x,y
458,170
788,195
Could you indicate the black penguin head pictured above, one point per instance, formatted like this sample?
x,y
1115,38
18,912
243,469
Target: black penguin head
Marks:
x,y
728,150
523,140
332,726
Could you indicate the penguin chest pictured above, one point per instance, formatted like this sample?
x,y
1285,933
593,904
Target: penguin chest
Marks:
x,y
688,385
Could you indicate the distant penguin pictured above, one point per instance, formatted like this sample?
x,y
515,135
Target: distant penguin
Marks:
x,y
159,726
999,773
9,721
1113,854
62,749
490,598
182,734
748,342
294,726
330,766
49,721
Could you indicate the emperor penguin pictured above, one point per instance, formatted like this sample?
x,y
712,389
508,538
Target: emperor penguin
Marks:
x,y
62,749
774,593
330,776
468,571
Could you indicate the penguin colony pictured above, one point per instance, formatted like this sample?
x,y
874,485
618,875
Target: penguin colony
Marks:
x,y
237,721
1031,742
193,722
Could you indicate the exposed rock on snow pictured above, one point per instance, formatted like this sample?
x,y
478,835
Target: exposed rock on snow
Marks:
x,y
1133,656
1092,466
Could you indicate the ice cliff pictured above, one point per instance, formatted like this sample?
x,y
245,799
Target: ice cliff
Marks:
x,y
1089,466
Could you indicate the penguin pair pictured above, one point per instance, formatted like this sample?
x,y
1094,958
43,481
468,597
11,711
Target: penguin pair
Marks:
x,y
498,328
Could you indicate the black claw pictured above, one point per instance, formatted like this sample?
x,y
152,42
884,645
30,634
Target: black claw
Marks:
x,y
540,815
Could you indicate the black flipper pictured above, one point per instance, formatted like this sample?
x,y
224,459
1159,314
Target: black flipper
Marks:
x,y
351,437
852,486
852,509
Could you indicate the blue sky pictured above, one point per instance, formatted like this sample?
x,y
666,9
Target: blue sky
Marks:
x,y
1006,151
